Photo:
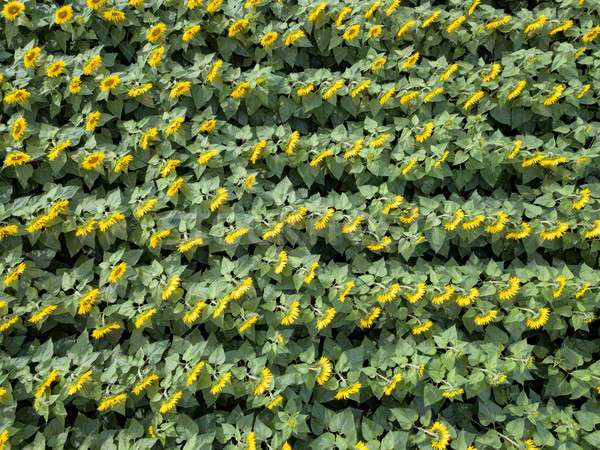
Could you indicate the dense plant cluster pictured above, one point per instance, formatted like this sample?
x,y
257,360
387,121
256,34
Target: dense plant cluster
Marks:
x,y
309,225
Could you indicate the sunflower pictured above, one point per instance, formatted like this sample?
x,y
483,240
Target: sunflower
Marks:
x,y
56,69
16,159
378,64
443,436
12,10
174,125
237,27
63,15
92,121
122,164
18,128
190,32
75,85
208,126
114,15
268,39
109,83
351,33
293,37
374,31
155,57
136,92
19,96
95,4
31,56
92,64
213,6
156,32
181,88
93,161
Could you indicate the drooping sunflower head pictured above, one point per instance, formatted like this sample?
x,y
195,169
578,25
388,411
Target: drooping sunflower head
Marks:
x,y
92,121
92,64
190,32
114,15
181,88
18,128
95,4
16,159
136,92
378,64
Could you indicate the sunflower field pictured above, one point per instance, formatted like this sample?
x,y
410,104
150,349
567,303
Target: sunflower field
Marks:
x,y
266,224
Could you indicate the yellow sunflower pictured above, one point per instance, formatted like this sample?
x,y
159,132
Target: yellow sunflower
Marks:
x,y
31,56
92,121
136,92
375,31
110,82
351,33
56,69
12,10
114,15
92,64
75,85
16,159
378,64
19,96
181,88
190,32
268,39
156,57
93,161
95,4
156,32
18,128
63,15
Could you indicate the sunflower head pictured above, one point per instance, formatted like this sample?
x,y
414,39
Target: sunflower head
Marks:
x,y
18,128
375,31
95,4
351,33
12,10
16,159
268,39
190,32
75,85
109,83
92,121
63,15
156,32
93,161
55,69
114,15
31,56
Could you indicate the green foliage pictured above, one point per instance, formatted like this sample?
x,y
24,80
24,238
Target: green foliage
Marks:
x,y
240,225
